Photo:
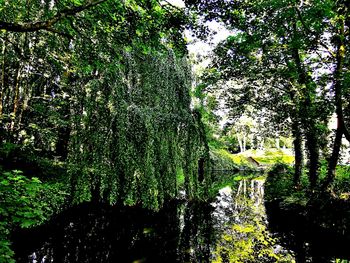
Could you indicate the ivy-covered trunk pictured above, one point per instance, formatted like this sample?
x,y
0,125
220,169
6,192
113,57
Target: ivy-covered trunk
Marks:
x,y
298,152
314,156
338,93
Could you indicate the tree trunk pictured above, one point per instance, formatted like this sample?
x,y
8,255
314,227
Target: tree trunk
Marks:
x,y
333,160
277,140
308,119
244,143
16,96
297,135
240,143
312,147
298,152
2,87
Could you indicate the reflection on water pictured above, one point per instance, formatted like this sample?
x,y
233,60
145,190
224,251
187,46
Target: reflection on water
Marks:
x,y
241,216
318,234
180,232
230,229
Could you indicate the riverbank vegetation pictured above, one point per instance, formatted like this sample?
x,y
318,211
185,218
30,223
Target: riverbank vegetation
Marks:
x,y
289,66
300,60
95,106
99,103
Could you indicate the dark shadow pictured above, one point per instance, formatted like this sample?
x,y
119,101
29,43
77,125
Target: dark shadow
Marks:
x,y
100,233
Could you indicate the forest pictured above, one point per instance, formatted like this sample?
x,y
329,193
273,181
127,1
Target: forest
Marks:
x,y
122,139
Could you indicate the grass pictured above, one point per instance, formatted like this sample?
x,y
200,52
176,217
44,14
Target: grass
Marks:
x,y
267,157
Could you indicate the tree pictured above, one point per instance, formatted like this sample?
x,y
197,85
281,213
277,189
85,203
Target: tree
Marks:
x,y
285,49
103,87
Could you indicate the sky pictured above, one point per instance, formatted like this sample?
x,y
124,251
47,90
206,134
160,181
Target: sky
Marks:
x,y
178,3
200,47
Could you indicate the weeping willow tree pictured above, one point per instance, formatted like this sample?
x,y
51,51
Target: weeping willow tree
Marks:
x,y
134,137
74,91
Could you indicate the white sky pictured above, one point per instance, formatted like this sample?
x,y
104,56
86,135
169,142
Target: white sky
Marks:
x,y
202,49
197,47
178,3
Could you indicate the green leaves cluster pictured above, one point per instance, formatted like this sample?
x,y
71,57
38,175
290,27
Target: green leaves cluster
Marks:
x,y
19,197
133,130
25,203
41,66
100,85
287,59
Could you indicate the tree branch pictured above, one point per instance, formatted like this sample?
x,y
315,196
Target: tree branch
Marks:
x,y
48,24
169,4
346,130
309,31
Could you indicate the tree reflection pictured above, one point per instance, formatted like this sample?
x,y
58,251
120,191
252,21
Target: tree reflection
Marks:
x,y
245,237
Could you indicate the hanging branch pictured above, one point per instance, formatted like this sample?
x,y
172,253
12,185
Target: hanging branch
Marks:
x,y
48,24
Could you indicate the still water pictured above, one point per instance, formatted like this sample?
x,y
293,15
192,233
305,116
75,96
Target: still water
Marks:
x,y
232,228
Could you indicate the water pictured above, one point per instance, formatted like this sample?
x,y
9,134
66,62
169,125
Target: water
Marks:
x,y
244,237
232,228
320,236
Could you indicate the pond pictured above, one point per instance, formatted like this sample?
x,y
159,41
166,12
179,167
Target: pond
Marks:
x,y
232,228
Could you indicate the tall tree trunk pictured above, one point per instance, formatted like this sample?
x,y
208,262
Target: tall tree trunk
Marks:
x,y
240,142
297,135
244,143
314,155
16,96
277,141
338,74
298,152
3,67
308,119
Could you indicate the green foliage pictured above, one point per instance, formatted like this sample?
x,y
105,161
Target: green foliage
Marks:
x,y
246,238
42,67
279,186
223,160
266,158
20,206
7,148
273,156
20,197
103,91
140,131
248,243
271,62
180,178
24,203
341,184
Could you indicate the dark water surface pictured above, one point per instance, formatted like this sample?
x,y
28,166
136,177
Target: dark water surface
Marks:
x,y
112,234
319,234
233,228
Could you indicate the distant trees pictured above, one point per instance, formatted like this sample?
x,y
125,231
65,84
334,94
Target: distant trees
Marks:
x,y
291,57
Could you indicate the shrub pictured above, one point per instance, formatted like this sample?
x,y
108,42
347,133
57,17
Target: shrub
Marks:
x,y
279,182
24,203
